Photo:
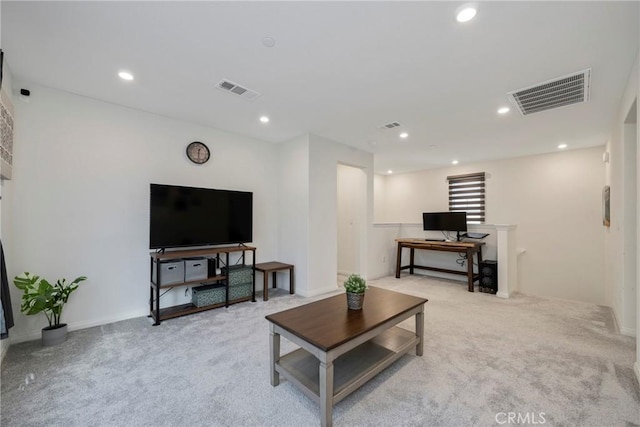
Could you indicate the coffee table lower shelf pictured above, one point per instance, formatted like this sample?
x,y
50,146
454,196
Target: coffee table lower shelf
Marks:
x,y
352,369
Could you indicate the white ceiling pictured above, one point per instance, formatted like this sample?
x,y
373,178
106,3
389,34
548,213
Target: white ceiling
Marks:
x,y
340,69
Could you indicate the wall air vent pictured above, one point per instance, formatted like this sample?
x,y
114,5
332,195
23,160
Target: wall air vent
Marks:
x,y
389,125
234,88
560,92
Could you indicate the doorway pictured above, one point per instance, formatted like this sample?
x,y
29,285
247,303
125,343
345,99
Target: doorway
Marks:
x,y
351,220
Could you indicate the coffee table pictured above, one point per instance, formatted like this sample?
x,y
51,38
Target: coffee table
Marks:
x,y
342,349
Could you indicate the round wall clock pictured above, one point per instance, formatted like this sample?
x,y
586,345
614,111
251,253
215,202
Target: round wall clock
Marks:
x,y
198,153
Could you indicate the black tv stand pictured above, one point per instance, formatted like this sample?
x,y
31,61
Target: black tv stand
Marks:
x,y
157,290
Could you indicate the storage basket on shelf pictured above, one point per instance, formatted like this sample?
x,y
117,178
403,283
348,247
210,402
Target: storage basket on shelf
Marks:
x,y
240,290
204,295
240,280
239,274
196,268
171,272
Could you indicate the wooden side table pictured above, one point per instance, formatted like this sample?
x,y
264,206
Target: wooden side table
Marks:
x,y
273,267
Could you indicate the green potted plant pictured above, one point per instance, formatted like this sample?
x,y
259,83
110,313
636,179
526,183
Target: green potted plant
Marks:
x,y
38,295
355,287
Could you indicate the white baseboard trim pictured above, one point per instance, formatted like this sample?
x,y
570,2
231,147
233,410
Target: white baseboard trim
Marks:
x,y
317,292
437,275
636,369
32,336
107,320
628,332
4,346
616,322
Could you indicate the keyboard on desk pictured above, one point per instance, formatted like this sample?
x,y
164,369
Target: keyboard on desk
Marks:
x,y
434,240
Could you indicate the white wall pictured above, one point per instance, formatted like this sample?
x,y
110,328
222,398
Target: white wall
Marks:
x,y
5,192
555,201
324,156
630,238
80,203
308,201
619,289
293,228
621,271
352,188
636,72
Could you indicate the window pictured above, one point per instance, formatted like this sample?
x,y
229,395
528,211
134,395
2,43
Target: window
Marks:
x,y
466,194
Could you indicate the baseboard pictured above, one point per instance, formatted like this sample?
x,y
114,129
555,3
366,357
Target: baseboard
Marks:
x,y
16,339
628,332
616,321
317,292
32,336
4,346
437,275
636,369
107,320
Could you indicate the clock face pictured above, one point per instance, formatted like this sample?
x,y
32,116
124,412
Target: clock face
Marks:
x,y
198,153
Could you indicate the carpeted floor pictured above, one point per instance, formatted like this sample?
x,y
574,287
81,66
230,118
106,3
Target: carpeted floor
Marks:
x,y
487,361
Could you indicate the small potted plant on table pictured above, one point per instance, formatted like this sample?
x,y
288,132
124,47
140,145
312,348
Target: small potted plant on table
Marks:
x,y
355,287
41,296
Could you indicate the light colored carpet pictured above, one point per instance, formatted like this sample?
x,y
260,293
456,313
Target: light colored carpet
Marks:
x,y
546,360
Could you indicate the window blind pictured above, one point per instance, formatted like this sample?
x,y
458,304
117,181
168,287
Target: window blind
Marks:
x,y
466,194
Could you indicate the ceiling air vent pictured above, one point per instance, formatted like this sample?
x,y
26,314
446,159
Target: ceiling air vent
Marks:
x,y
236,89
560,92
389,125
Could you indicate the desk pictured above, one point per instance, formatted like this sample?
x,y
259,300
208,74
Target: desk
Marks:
x,y
469,248
341,349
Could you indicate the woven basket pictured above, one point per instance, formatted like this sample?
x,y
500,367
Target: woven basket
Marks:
x,y
354,301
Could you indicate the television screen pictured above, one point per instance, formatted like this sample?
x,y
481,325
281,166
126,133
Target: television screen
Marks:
x,y
445,221
189,216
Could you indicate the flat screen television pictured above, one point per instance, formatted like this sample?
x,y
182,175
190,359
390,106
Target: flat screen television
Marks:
x,y
190,216
445,221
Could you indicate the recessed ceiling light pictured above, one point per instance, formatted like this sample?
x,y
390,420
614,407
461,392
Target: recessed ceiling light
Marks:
x,y
264,119
465,13
503,110
562,146
268,41
454,162
404,135
125,75
389,171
